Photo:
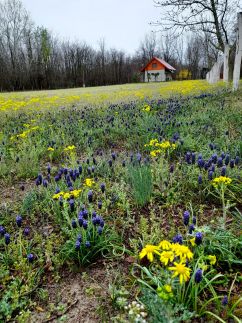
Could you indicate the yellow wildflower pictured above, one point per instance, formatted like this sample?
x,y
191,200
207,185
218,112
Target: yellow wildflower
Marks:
x,y
166,257
163,145
182,251
50,149
146,108
57,195
70,148
221,180
212,259
165,245
154,153
76,193
66,195
192,241
23,135
182,271
89,182
148,251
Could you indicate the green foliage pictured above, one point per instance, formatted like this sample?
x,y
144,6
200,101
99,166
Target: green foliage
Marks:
x,y
105,245
226,246
140,179
162,312
144,200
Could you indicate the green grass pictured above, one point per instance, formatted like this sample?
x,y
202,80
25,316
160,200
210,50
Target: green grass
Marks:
x,y
142,203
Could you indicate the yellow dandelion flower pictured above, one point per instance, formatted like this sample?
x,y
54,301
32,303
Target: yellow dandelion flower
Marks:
x,y
50,149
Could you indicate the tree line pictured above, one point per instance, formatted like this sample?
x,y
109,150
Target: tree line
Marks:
x,y
32,58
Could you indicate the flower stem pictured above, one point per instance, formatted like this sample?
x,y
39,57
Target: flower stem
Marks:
x,y
224,207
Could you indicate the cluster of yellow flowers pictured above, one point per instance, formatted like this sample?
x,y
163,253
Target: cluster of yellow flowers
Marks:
x,y
167,252
221,180
50,149
25,133
89,182
67,195
146,108
98,95
70,148
44,100
160,147
177,255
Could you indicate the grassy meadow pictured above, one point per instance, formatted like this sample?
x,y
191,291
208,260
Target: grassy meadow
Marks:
x,y
121,204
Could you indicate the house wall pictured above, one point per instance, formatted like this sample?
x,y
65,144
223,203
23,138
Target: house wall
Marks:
x,y
159,66
160,78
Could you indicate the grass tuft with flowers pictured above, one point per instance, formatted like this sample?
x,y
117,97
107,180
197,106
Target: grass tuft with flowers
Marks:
x,y
121,204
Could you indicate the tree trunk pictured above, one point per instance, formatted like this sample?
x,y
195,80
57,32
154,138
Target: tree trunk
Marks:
x,y
226,63
213,76
238,55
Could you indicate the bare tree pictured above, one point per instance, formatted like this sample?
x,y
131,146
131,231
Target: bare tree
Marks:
x,y
194,54
15,23
147,48
215,17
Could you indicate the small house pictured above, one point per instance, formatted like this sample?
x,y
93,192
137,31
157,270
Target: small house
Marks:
x,y
157,70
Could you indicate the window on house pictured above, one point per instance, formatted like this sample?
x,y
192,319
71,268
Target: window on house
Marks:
x,y
154,65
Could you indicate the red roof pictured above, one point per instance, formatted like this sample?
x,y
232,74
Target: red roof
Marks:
x,y
164,63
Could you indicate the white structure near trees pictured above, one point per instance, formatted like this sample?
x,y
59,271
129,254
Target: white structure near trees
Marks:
x,y
226,63
213,75
238,55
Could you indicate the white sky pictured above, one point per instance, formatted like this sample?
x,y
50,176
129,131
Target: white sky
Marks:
x,y
122,23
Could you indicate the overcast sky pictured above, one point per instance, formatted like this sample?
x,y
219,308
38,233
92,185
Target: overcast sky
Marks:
x,y
122,23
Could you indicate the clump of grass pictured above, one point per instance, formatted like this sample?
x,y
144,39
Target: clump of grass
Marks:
x,y
140,179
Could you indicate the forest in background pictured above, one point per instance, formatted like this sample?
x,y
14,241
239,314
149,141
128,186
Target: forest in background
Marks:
x,y
33,58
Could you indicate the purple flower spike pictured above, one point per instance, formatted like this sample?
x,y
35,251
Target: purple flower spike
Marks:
x,y
19,220
30,257
186,216
198,238
7,238
90,196
198,276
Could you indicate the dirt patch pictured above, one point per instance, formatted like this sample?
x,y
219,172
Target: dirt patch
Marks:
x,y
16,192
80,295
